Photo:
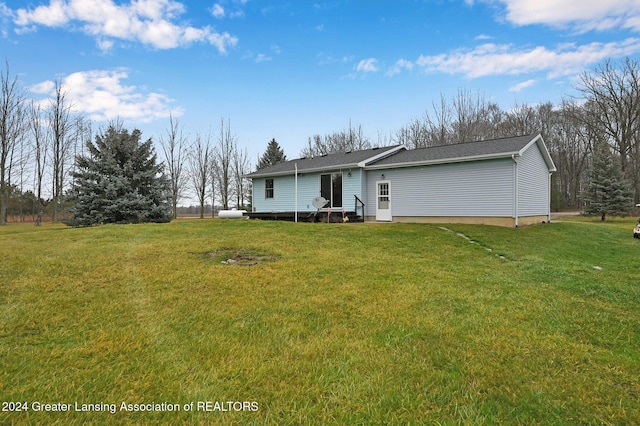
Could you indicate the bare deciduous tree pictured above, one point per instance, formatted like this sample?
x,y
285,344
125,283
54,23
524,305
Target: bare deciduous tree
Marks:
x,y
200,168
175,149
475,117
12,123
467,118
21,159
39,133
612,92
62,139
241,167
349,139
222,160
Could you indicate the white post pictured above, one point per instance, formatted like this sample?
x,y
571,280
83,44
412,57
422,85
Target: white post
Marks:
x,y
295,213
549,199
516,187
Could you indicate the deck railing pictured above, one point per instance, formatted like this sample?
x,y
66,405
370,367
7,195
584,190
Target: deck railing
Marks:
x,y
359,204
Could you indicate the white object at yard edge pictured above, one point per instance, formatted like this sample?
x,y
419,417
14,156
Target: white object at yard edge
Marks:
x,y
231,214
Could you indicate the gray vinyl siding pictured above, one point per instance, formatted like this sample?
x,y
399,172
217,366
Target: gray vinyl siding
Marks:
x,y
533,182
480,188
283,195
308,188
351,186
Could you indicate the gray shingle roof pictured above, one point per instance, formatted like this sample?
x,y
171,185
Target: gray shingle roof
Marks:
x,y
399,156
329,161
461,151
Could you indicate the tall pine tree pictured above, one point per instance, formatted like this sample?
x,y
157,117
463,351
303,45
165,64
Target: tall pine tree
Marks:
x,y
273,155
119,181
608,193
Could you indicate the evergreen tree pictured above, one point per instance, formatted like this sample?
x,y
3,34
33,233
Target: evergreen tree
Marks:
x,y
273,155
608,193
119,181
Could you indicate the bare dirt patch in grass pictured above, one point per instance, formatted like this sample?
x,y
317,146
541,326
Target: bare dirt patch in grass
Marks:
x,y
239,256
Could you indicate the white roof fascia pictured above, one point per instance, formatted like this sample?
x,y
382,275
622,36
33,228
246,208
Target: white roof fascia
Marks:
x,y
384,154
543,149
444,161
307,171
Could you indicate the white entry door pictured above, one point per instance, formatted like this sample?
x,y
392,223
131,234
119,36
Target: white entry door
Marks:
x,y
383,200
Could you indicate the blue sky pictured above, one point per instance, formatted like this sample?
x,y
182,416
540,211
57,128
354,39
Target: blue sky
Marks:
x,y
291,69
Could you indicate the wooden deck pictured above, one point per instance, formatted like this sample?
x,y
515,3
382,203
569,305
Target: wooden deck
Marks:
x,y
307,216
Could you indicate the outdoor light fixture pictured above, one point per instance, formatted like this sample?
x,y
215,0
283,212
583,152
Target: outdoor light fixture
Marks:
x,y
383,176
349,174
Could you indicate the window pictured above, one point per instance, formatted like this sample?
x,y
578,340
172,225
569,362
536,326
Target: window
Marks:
x,y
383,195
331,189
325,187
336,187
268,188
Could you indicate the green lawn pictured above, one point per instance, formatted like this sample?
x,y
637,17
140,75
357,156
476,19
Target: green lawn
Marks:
x,y
340,324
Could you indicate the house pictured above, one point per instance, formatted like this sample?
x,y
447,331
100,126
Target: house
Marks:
x,y
502,182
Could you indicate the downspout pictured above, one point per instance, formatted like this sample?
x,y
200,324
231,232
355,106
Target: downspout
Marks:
x,y
295,213
515,179
549,199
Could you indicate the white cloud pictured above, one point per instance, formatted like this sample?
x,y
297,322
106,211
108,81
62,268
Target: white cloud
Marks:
x,y
327,59
44,88
221,41
4,10
104,45
399,66
53,15
261,57
235,10
367,65
102,96
151,22
523,85
217,11
583,15
494,59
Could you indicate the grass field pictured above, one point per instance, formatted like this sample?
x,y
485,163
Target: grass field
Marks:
x,y
337,324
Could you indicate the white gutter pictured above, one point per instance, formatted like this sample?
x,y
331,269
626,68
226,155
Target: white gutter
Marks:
x,y
384,154
501,155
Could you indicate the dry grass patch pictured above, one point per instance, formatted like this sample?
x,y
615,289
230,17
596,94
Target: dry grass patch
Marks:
x,y
238,256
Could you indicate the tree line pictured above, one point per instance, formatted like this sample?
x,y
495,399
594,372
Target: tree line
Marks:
x,y
212,167
37,149
41,145
41,142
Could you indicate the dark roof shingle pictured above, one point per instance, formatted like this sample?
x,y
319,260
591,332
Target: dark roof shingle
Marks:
x,y
399,156
329,161
503,146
